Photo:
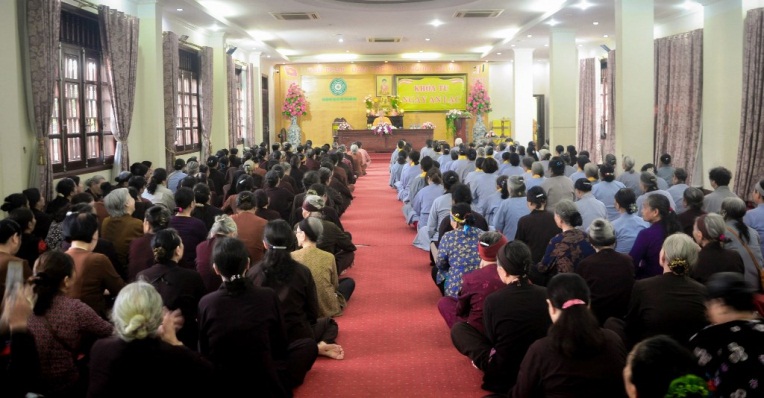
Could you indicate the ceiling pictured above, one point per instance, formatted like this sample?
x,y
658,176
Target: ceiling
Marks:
x,y
340,30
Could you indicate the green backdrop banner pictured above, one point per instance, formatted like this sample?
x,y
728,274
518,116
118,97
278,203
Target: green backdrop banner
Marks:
x,y
432,93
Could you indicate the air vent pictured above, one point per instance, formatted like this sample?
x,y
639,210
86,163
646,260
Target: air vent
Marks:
x,y
478,14
295,16
383,39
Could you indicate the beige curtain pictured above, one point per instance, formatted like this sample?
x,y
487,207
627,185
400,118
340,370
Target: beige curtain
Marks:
x,y
119,46
233,108
588,134
251,95
206,101
750,163
40,24
608,146
171,66
678,98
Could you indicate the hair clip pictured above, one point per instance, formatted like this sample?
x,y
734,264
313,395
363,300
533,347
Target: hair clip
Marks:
x,y
69,213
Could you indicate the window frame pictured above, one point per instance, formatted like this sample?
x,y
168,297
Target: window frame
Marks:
x,y
188,137
80,42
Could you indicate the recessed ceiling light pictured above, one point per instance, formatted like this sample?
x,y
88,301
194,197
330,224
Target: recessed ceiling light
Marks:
x,y
546,45
421,51
179,9
215,28
553,22
580,45
452,61
427,39
512,45
340,40
267,56
498,53
529,36
436,22
604,36
347,51
595,23
418,61
583,5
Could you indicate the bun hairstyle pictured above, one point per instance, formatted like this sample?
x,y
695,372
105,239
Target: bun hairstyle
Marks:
x,y
23,216
312,228
79,227
667,214
712,227
576,333
583,185
649,181
461,213
434,176
693,197
665,159
51,269
557,166
734,209
568,213
514,187
137,312
627,199
516,259
163,245
65,187
680,253
537,196
277,263
159,176
607,172
14,201
245,200
158,218
201,193
601,233
450,178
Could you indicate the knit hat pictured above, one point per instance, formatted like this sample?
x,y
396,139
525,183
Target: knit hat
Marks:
x,y
488,252
313,203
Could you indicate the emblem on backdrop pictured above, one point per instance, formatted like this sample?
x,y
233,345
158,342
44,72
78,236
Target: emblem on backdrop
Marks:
x,y
338,86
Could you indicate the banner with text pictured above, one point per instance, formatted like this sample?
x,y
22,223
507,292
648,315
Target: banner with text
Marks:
x,y
432,93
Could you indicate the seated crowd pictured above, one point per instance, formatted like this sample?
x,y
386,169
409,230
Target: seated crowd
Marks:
x,y
225,275
561,277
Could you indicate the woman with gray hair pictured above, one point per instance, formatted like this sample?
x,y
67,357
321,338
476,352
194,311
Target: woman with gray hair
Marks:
x,y
710,233
333,239
536,177
513,207
223,226
671,303
121,228
608,273
567,249
145,345
743,240
630,178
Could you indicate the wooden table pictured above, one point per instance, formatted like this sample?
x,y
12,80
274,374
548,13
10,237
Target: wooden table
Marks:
x,y
385,143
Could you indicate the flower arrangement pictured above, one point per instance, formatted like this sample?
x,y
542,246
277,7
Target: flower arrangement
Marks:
x,y
295,103
368,101
451,117
478,101
428,125
344,126
382,129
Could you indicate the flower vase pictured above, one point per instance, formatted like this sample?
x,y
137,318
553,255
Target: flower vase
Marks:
x,y
293,133
478,130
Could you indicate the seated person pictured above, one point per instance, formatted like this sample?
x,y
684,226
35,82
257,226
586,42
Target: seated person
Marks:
x,y
381,118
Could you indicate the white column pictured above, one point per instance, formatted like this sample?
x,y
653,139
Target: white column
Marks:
x,y
722,84
257,96
219,135
523,95
563,87
634,81
146,138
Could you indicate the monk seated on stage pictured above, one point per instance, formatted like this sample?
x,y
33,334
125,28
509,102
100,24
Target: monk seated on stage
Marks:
x,y
382,118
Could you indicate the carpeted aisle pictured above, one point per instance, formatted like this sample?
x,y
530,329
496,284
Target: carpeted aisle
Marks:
x,y
396,344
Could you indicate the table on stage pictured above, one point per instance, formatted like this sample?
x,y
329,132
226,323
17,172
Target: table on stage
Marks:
x,y
384,143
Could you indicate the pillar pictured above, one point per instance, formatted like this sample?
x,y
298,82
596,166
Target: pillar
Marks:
x,y
634,81
563,87
219,134
257,97
523,95
722,84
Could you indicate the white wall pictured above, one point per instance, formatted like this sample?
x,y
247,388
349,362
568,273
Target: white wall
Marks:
x,y
501,89
541,86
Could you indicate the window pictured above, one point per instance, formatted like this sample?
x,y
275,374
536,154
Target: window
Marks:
x,y
188,123
80,129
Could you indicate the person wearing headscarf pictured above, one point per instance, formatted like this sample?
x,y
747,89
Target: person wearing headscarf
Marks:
x,y
509,329
608,273
476,285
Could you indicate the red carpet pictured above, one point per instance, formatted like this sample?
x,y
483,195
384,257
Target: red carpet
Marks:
x,y
396,343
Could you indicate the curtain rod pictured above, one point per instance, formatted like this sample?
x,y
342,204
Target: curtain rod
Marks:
x,y
192,45
85,3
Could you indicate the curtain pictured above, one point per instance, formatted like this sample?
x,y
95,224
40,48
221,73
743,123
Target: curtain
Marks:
x,y
171,68
608,146
678,98
206,83
233,106
588,133
251,95
119,46
41,21
750,165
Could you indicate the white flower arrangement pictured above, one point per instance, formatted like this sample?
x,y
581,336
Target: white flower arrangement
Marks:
x,y
428,125
383,129
344,126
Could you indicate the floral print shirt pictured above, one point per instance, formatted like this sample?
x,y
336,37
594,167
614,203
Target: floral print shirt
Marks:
x,y
732,356
457,255
565,251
